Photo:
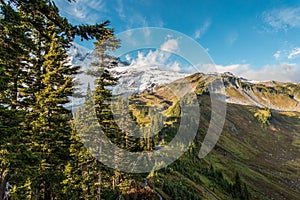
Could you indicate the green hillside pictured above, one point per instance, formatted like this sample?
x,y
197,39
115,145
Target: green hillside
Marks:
x,y
253,159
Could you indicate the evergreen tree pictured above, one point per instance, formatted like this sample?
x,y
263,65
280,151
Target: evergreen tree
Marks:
x,y
87,177
108,179
14,51
49,120
82,171
104,82
103,95
35,84
126,123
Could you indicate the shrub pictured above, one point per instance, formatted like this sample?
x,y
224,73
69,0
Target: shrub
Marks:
x,y
264,116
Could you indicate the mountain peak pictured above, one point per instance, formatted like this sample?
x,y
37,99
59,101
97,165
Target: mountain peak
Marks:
x,y
274,95
134,78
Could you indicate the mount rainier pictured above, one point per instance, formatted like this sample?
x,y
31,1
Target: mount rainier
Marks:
x,y
133,78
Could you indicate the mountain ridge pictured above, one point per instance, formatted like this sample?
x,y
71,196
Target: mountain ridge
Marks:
x,y
264,154
135,79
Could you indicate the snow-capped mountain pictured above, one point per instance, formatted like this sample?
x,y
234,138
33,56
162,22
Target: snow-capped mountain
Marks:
x,y
133,78
136,78
78,54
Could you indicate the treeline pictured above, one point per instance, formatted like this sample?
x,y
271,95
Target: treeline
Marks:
x,y
195,171
187,178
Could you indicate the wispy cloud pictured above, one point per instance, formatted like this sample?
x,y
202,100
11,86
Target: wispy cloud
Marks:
x,y
295,53
83,11
202,30
282,19
134,18
160,57
120,9
96,11
236,69
277,55
285,72
170,45
232,37
287,54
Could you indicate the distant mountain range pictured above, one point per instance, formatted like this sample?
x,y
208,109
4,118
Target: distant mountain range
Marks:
x,y
135,79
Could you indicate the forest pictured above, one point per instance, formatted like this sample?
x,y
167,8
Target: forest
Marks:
x,y
40,155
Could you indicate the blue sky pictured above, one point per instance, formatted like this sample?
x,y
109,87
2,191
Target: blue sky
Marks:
x,y
255,39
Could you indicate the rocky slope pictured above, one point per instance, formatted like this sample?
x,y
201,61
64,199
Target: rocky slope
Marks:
x,y
264,155
274,95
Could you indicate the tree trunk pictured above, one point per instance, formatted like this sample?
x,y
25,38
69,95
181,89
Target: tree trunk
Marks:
x,y
99,187
47,191
14,98
4,178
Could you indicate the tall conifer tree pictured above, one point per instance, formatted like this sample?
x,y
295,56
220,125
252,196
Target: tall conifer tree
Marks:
x,y
35,84
104,83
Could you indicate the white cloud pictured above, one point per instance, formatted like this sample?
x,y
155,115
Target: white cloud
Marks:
x,y
295,53
120,9
82,11
128,58
170,45
285,72
202,30
284,18
212,68
155,58
236,69
277,55
159,58
174,66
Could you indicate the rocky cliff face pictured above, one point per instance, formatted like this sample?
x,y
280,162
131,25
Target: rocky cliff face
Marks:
x,y
274,95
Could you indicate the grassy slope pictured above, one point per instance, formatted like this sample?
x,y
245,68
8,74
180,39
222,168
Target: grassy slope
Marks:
x,y
266,157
